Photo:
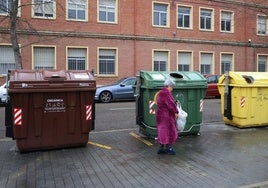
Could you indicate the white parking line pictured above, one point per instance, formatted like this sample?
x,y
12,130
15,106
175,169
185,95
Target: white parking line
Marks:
x,y
259,185
122,108
5,139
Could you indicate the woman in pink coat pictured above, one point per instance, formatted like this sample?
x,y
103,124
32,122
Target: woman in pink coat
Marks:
x,y
166,115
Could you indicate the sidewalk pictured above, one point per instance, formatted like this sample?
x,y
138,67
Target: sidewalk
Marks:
x,y
222,156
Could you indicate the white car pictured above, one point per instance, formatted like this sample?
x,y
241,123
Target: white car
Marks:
x,y
3,93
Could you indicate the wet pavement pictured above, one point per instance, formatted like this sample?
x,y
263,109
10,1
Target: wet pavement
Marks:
x,y
222,156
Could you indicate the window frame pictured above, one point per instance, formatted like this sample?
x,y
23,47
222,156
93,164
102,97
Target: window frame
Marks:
x,y
266,63
167,25
190,17
231,63
43,16
115,13
191,60
167,62
75,48
231,21
7,12
76,10
265,17
44,46
14,64
211,65
115,62
202,9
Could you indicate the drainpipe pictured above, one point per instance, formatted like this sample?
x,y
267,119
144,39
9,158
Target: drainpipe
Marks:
x,y
134,38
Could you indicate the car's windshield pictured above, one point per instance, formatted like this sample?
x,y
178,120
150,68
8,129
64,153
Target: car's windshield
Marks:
x,y
129,81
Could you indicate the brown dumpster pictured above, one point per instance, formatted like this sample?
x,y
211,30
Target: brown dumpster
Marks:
x,y
51,108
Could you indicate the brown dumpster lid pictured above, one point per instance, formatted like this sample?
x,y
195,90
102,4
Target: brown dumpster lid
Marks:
x,y
24,80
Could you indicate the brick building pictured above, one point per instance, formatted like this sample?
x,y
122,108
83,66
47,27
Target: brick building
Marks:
x,y
116,38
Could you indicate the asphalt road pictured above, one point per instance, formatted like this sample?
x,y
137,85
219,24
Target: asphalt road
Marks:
x,y
121,115
116,156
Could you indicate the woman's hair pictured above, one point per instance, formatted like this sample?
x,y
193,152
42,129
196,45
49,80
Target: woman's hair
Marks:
x,y
169,82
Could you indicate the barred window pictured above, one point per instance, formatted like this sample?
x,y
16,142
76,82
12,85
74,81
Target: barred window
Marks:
x,y
262,63
107,61
7,59
44,57
206,63
160,61
184,61
77,59
226,62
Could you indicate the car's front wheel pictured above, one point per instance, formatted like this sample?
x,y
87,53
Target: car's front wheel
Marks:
x,y
105,96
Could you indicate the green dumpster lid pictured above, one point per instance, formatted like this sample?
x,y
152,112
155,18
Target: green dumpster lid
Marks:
x,y
245,79
183,79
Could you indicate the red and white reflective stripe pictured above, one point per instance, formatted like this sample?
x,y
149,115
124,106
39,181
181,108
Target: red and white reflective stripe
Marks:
x,y
242,102
88,112
201,105
17,116
151,110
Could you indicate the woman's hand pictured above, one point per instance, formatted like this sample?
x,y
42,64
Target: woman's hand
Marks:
x,y
176,115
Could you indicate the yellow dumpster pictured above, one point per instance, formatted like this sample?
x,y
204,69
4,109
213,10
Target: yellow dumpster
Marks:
x,y
244,98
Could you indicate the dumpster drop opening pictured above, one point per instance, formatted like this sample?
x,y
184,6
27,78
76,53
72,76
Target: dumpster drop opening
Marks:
x,y
249,79
176,75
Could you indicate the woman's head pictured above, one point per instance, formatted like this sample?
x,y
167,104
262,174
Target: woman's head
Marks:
x,y
169,82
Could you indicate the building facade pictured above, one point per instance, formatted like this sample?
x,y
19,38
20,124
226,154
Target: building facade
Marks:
x,y
117,38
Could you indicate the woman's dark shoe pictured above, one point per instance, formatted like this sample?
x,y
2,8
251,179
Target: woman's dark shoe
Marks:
x,y
170,151
161,151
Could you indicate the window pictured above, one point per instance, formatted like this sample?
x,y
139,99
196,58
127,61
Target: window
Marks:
x,y
7,60
226,62
184,61
44,57
107,11
206,63
226,21
262,63
77,59
206,18
107,61
5,6
160,61
44,8
184,17
77,9
160,14
262,25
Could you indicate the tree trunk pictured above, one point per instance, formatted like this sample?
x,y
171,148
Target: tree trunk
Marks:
x,y
13,34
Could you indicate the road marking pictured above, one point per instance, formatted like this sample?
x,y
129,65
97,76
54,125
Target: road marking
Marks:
x,y
122,108
99,145
113,131
260,185
141,139
5,139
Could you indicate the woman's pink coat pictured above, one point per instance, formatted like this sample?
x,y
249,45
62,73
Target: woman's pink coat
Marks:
x,y
165,117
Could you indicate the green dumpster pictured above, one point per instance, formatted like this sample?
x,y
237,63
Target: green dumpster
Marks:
x,y
244,98
190,90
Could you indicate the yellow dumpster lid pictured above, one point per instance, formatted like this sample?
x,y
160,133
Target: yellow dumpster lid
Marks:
x,y
245,78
